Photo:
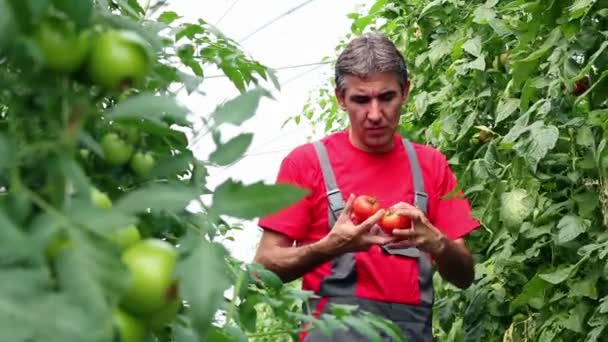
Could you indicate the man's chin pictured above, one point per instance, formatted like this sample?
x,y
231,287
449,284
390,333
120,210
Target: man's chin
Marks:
x,y
379,144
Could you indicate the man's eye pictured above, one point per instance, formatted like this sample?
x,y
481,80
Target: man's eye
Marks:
x,y
387,97
360,99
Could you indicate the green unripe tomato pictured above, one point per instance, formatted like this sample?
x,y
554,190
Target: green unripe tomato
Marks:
x,y
100,199
118,60
64,49
116,151
151,263
127,327
126,237
164,316
142,163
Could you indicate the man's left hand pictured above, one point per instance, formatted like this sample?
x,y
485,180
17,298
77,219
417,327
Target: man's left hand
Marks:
x,y
422,235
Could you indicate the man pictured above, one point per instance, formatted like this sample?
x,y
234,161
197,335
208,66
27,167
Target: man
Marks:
x,y
348,262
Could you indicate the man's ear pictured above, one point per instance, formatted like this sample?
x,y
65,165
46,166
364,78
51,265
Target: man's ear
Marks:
x,y
340,97
406,91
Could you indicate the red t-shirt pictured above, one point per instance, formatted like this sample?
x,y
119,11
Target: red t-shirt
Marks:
x,y
386,176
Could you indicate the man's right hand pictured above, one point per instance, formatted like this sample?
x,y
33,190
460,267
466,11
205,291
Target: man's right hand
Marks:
x,y
346,236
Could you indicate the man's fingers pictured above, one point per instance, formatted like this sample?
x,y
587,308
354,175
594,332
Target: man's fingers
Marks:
x,y
367,225
404,234
348,208
402,244
412,212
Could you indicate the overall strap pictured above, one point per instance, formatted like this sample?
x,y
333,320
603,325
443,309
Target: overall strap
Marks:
x,y
343,278
334,196
425,268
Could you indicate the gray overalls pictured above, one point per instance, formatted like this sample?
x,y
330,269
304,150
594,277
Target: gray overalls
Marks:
x,y
414,320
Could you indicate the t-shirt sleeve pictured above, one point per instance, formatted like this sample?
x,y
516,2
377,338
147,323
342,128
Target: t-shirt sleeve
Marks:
x,y
292,220
453,214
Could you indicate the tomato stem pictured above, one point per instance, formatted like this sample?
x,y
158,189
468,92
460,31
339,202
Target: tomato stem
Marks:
x,y
235,297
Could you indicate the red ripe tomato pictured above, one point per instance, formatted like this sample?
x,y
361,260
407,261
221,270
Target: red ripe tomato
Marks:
x,y
391,221
580,86
365,206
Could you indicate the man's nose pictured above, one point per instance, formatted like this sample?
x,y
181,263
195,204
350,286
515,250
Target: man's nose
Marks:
x,y
374,113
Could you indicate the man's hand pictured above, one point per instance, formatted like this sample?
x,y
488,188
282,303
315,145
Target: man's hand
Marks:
x,y
453,259
423,234
347,236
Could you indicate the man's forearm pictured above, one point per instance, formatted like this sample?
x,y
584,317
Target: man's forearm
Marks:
x,y
455,264
291,263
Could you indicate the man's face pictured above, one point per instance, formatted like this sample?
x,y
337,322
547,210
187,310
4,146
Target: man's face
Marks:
x,y
374,105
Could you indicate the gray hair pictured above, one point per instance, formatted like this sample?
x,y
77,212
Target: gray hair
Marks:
x,y
369,54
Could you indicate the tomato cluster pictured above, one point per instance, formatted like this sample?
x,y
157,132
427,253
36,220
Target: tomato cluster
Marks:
x,y
365,206
113,59
151,300
118,150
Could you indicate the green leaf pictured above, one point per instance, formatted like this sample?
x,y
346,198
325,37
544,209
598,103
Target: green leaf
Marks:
x,y
421,102
100,220
363,328
505,108
440,47
570,227
520,126
269,278
547,45
468,122
516,206
603,308
577,317
203,280
584,288
231,151
87,140
168,17
30,310
473,46
169,197
478,64
150,107
7,25
430,6
239,109
484,15
584,136
255,200
78,11
580,8
170,166
533,290
14,245
558,276
522,71
542,139
587,202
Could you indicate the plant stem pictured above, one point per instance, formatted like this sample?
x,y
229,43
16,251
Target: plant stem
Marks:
x,y
235,296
